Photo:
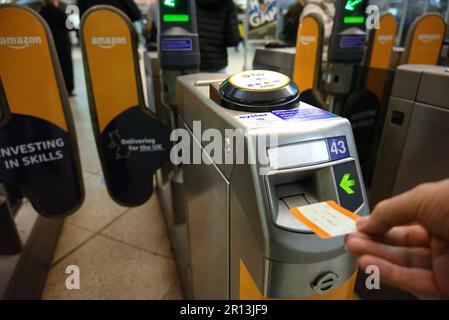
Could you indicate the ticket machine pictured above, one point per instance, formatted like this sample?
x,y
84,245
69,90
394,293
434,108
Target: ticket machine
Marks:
x,y
236,237
346,49
244,241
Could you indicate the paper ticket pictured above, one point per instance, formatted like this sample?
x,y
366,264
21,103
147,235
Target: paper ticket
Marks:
x,y
327,219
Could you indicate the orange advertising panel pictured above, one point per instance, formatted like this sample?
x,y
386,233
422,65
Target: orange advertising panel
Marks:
x,y
31,83
308,53
383,43
380,54
426,40
109,50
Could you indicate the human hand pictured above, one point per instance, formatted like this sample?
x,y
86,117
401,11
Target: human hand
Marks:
x,y
407,237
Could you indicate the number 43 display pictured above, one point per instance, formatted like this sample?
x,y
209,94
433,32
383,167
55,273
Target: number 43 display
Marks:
x,y
338,148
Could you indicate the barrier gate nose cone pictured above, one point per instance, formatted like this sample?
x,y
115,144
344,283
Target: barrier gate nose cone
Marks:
x,y
259,91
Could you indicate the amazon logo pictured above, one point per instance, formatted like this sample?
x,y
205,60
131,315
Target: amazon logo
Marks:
x,y
383,39
305,40
19,43
426,38
108,42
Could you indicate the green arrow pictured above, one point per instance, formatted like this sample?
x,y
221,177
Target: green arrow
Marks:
x,y
170,3
351,4
347,184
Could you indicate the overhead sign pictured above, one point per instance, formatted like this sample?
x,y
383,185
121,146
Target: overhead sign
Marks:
x,y
38,149
131,143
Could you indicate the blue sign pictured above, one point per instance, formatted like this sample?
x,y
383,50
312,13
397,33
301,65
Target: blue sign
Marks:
x,y
352,42
303,114
177,44
338,148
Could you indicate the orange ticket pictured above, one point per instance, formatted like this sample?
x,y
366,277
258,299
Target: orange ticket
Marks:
x,y
327,219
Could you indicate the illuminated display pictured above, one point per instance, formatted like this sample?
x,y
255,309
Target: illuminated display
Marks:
x,y
176,18
354,20
175,11
351,5
354,12
175,5
170,3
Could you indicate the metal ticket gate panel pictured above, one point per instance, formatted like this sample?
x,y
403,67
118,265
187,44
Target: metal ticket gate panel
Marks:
x,y
207,198
428,131
415,126
132,144
281,60
238,218
413,148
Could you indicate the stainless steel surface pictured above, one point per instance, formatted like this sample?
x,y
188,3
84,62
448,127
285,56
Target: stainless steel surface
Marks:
x,y
293,280
414,142
207,201
390,150
434,88
425,157
280,60
325,283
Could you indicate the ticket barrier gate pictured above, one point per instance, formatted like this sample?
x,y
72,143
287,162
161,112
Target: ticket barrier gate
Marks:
x,y
178,53
244,242
366,106
39,152
346,50
415,127
302,63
